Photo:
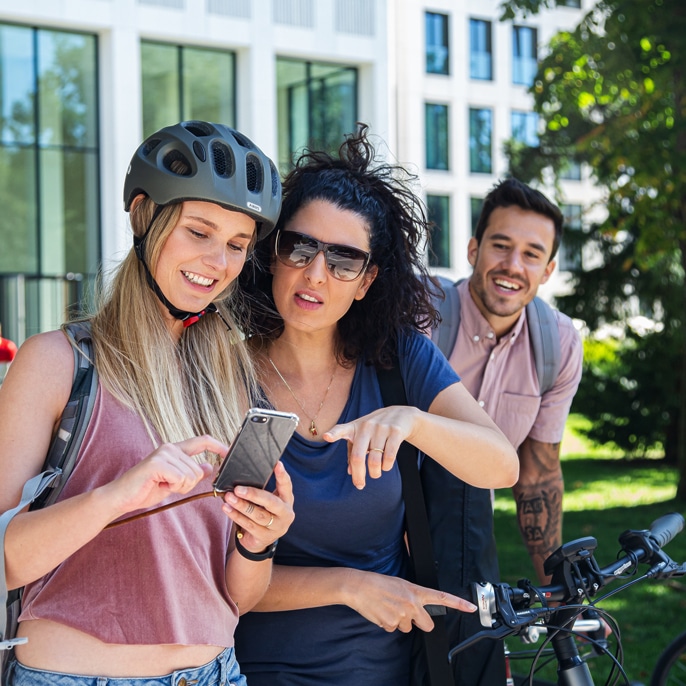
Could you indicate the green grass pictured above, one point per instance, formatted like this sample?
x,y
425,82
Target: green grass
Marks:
x,y
604,496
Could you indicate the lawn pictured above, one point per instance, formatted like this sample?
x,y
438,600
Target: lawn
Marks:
x,y
604,496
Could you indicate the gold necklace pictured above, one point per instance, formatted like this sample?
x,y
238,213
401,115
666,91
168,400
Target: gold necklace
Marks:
x,y
313,427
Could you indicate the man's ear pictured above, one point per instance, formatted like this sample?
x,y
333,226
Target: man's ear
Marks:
x,y
367,281
472,251
549,268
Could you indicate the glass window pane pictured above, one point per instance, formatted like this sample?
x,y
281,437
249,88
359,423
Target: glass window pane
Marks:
x,y
208,86
17,79
569,256
316,107
570,171
68,209
161,87
475,206
18,235
436,133
438,207
480,50
332,108
525,128
437,47
66,85
480,133
524,55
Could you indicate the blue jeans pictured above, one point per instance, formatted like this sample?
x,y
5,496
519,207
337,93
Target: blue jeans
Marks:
x,y
222,671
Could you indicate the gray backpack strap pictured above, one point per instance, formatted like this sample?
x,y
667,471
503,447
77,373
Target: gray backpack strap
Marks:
x,y
65,446
545,340
445,334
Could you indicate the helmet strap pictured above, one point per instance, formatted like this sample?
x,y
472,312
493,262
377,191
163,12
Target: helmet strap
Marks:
x,y
185,316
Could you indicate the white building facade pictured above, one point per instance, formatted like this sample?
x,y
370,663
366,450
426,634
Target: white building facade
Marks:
x,y
82,82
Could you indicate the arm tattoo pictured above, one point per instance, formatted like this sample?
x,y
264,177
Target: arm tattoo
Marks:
x,y
539,500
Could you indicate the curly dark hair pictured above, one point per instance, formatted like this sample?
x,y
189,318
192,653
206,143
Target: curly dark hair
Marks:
x,y
400,298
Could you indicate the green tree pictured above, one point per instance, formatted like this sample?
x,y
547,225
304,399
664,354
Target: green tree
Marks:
x,y
612,94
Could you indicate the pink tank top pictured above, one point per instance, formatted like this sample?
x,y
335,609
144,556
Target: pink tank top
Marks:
x,y
157,580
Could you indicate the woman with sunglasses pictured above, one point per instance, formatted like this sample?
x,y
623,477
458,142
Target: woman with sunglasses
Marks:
x,y
151,602
337,293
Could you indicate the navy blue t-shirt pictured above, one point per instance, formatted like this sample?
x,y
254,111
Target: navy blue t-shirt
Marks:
x,y
337,525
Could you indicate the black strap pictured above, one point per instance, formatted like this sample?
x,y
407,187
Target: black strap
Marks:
x,y
418,534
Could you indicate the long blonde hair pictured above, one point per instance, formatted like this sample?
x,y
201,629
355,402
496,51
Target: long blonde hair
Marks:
x,y
201,384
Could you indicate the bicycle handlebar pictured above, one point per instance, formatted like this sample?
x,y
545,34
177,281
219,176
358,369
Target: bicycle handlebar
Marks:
x,y
506,610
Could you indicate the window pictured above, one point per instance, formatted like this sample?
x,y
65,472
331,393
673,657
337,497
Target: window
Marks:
x,y
316,106
475,206
524,55
49,175
525,128
437,46
181,83
480,137
480,50
438,207
436,134
570,170
569,258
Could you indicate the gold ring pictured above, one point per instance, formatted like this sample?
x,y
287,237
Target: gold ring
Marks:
x,y
250,509
270,522
378,450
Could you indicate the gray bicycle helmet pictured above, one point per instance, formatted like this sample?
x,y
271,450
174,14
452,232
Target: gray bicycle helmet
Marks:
x,y
224,167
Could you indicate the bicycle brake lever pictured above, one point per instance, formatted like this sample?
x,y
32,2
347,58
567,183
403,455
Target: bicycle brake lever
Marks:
x,y
495,634
666,569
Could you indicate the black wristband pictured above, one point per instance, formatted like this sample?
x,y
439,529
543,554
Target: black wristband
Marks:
x,y
268,554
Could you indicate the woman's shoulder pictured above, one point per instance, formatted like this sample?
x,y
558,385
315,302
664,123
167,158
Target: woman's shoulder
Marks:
x,y
414,343
44,361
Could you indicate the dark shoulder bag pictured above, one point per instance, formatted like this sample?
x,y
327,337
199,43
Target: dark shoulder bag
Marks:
x,y
451,540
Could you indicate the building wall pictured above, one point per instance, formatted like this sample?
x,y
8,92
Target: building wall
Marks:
x,y
384,39
415,87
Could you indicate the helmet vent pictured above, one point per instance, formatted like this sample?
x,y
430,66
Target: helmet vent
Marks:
x,y
197,128
253,173
177,163
241,140
276,182
222,160
149,146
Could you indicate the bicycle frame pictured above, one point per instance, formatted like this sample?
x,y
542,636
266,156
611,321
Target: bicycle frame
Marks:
x,y
576,578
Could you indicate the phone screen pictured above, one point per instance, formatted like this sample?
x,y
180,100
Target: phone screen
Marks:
x,y
256,449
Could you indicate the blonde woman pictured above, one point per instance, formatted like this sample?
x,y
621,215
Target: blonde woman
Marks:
x,y
157,600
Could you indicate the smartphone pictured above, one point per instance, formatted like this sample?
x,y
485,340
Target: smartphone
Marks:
x,y
256,449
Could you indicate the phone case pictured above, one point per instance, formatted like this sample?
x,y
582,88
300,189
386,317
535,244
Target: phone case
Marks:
x,y
256,449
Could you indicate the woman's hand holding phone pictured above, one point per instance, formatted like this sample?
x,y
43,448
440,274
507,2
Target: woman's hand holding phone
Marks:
x,y
262,517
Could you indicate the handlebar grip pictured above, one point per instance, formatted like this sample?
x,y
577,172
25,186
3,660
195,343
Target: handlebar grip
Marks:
x,y
665,528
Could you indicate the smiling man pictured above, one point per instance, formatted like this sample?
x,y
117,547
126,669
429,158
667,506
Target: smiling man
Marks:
x,y
512,254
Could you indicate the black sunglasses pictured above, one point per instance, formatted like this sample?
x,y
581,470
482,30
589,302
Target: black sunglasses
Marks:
x,y
298,250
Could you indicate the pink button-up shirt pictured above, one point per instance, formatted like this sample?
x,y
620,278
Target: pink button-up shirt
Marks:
x,y
501,374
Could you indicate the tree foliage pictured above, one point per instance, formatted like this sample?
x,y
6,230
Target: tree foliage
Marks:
x,y
612,94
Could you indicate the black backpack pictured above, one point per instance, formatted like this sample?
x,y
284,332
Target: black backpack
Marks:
x,y
43,489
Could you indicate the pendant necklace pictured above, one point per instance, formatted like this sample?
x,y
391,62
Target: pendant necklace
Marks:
x,y
313,428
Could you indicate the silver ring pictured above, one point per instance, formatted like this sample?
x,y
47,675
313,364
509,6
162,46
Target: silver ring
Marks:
x,y
378,450
270,522
250,509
